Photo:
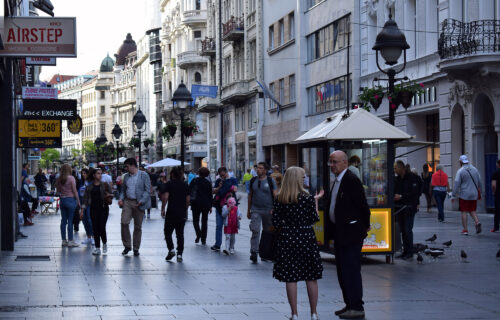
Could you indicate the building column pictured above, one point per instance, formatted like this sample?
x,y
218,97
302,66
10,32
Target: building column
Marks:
x,y
476,156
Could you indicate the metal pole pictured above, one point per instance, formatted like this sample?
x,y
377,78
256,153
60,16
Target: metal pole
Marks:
x,y
117,158
221,110
140,142
391,73
348,86
182,142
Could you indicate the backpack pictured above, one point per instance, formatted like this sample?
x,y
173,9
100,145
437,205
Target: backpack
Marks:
x,y
269,182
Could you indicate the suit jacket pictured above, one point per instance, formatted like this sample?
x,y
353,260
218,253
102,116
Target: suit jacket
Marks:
x,y
352,214
142,189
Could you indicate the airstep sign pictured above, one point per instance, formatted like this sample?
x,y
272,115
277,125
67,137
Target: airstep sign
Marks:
x,y
55,109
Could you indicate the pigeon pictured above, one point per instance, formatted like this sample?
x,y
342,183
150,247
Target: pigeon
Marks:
x,y
436,253
463,255
427,251
432,239
420,259
447,243
498,254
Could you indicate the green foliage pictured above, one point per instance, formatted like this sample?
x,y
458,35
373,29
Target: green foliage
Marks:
x,y
48,157
134,142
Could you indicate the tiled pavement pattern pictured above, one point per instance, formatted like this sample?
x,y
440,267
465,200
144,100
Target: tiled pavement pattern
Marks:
x,y
74,284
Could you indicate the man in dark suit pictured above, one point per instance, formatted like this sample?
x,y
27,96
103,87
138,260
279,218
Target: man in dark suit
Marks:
x,y
349,218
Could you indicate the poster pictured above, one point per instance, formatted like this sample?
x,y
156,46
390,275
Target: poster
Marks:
x,y
379,237
319,228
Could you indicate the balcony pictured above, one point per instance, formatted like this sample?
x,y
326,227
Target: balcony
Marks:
x,y
207,104
194,17
233,30
236,92
464,46
208,47
187,59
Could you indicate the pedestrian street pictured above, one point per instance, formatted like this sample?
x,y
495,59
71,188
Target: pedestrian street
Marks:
x,y
208,285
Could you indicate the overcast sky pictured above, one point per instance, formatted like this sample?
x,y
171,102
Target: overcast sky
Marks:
x,y
101,26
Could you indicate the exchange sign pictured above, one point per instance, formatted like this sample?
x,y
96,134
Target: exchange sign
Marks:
x,y
38,133
56,109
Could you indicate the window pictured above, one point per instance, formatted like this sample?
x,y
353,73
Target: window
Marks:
x,y
312,3
282,31
251,115
227,70
237,114
291,26
327,96
252,6
197,34
291,83
329,39
103,109
198,4
103,127
282,91
272,105
253,59
197,77
103,94
242,118
271,37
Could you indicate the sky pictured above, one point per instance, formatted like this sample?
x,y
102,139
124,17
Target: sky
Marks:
x,y
101,27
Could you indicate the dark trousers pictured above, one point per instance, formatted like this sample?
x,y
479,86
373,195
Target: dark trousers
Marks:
x,y
196,222
348,262
99,217
25,209
178,226
405,220
496,219
440,196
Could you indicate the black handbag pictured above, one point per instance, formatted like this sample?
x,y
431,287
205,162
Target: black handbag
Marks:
x,y
153,202
268,245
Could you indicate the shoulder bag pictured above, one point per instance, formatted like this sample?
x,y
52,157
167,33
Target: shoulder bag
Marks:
x,y
478,191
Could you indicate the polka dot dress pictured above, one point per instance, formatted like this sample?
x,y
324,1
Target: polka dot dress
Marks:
x,y
297,253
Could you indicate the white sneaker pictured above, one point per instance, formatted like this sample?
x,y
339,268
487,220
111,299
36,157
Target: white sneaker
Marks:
x,y
87,241
104,248
179,258
314,316
72,243
294,317
231,251
96,251
64,243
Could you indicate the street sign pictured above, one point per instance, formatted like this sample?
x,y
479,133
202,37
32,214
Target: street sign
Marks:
x,y
34,157
41,61
38,133
39,93
56,109
39,37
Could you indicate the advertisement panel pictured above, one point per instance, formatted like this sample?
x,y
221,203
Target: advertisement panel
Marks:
x,y
39,93
39,37
56,109
379,237
38,133
41,61
319,228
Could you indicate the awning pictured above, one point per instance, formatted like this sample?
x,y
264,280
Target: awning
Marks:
x,y
167,162
359,125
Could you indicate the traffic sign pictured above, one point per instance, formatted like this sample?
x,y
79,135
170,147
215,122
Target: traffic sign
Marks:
x,y
56,109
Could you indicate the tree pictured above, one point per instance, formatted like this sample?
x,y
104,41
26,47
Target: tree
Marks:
x,y
48,157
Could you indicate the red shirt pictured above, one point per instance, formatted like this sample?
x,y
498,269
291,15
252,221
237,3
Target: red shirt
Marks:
x,y
439,179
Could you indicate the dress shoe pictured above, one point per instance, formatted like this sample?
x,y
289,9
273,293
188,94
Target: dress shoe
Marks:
x,y
344,309
253,257
125,251
21,235
352,314
197,239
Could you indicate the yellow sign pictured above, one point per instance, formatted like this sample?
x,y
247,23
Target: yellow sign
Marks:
x,y
319,228
39,128
379,237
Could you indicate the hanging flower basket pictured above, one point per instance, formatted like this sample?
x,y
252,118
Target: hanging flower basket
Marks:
x,y
172,129
376,101
134,142
187,131
405,97
372,96
189,128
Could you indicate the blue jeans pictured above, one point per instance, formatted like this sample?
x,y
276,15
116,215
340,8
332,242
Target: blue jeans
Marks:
x,y
87,222
247,185
68,206
219,223
440,196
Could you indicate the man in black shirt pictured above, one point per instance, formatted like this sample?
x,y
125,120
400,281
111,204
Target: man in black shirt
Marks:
x,y
495,179
406,194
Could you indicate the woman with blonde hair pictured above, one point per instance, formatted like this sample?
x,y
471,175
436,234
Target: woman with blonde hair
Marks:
x,y
66,187
297,253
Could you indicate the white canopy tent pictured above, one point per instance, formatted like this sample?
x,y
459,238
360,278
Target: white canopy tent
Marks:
x,y
167,162
359,125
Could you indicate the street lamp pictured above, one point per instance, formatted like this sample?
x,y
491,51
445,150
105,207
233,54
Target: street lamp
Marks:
x,y
391,42
117,134
139,120
181,100
100,141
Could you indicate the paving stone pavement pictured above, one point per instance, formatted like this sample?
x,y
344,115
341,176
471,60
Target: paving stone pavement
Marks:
x,y
207,285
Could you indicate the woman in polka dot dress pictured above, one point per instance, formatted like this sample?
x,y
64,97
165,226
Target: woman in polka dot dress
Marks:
x,y
297,253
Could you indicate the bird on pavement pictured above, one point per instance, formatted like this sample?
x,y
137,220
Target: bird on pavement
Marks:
x,y
447,243
432,239
498,254
436,253
420,258
463,255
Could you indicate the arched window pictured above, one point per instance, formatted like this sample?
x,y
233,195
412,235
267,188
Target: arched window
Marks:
x,y
197,77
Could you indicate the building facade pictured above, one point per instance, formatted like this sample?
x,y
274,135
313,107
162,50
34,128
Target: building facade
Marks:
x,y
454,52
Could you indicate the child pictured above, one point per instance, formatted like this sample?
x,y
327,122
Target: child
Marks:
x,y
231,215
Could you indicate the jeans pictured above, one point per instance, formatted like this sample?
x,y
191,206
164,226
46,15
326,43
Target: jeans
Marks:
x,y
247,186
219,223
87,222
440,196
405,221
68,206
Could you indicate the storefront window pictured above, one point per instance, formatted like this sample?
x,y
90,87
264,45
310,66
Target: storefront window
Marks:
x,y
240,160
373,170
252,152
213,158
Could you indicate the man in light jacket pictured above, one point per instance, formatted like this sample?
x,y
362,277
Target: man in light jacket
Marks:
x,y
135,198
467,188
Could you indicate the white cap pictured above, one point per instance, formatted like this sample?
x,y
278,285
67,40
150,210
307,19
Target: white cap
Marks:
x,y
464,159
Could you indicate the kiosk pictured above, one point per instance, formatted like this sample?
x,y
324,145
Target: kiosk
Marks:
x,y
370,146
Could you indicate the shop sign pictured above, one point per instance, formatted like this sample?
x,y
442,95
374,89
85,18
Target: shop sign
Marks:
x,y
379,238
41,61
39,93
75,125
39,37
56,109
38,133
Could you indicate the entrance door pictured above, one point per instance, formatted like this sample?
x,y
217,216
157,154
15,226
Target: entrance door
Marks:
x,y
490,161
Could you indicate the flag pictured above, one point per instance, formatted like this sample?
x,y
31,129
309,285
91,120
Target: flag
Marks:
x,y
268,94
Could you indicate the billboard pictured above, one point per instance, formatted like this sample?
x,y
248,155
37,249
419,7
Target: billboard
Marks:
x,y
38,133
379,238
39,37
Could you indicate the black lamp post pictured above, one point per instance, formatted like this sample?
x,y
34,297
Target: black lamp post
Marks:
x,y
391,42
117,134
100,141
139,120
182,97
